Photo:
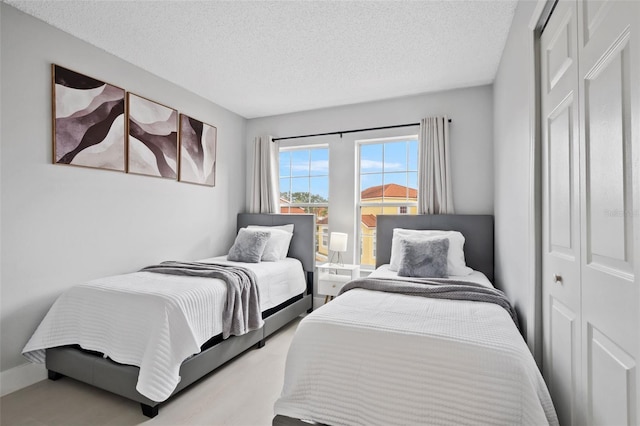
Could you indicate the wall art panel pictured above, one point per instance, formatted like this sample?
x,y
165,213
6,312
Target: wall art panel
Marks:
x,y
198,142
153,138
88,121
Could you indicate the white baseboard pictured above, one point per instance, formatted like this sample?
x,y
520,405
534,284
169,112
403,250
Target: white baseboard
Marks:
x,y
20,377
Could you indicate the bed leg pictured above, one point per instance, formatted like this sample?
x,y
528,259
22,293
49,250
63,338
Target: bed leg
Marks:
x,y
149,411
54,375
261,344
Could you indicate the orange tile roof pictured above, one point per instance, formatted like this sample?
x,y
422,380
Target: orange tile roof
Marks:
x,y
291,210
390,190
286,208
369,220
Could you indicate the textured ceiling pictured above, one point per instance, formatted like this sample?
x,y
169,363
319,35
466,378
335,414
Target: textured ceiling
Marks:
x,y
260,58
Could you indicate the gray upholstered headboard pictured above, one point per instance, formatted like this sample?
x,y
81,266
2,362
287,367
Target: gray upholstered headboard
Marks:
x,y
302,245
477,231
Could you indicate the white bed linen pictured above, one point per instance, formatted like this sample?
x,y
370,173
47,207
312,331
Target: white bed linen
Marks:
x,y
277,281
151,320
374,358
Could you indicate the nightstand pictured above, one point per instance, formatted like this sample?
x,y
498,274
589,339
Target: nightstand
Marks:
x,y
332,277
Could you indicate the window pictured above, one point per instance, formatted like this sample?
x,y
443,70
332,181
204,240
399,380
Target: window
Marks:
x,y
304,188
388,183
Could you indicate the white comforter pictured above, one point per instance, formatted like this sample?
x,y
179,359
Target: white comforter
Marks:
x,y
373,358
153,321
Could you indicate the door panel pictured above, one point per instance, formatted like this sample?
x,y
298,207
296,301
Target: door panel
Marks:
x,y
562,371
561,168
593,13
609,164
560,52
612,376
608,177
560,211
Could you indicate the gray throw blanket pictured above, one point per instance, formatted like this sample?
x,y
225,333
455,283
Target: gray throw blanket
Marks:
x,y
436,289
242,309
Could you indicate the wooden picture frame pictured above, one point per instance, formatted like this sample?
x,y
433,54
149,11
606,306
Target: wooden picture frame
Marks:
x,y
152,138
198,142
88,118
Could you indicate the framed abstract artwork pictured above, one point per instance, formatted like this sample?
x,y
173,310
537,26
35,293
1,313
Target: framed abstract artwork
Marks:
x,y
197,151
88,121
152,138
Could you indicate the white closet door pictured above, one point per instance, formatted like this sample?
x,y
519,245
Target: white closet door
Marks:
x,y
609,50
561,211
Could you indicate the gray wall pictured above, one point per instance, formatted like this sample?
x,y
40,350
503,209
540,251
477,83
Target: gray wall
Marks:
x,y
471,110
63,225
515,236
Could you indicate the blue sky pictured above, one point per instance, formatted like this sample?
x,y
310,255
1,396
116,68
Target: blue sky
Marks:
x,y
307,170
398,161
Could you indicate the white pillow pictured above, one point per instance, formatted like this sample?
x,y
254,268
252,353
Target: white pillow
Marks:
x,y
279,241
288,228
456,264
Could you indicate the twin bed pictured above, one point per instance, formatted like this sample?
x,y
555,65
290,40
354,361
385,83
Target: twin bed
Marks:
x,y
401,356
147,336
389,350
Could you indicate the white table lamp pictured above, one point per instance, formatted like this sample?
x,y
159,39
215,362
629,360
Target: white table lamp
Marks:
x,y
338,244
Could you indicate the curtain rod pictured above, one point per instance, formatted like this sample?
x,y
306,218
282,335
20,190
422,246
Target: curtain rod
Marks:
x,y
348,131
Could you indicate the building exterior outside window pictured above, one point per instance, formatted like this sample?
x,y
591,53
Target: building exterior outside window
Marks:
x,y
370,209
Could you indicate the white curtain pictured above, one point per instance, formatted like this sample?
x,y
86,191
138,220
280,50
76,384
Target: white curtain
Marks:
x,y
265,189
434,169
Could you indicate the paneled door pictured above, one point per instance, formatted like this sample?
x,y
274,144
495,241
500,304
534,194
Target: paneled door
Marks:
x,y
561,210
590,114
609,68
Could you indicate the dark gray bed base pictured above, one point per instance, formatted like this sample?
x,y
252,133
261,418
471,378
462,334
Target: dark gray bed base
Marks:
x,y
289,421
121,379
478,250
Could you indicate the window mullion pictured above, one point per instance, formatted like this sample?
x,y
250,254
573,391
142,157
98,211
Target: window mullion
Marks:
x,y
406,176
383,169
309,176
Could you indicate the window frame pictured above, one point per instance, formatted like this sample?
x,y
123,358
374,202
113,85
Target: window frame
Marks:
x,y
360,204
325,227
